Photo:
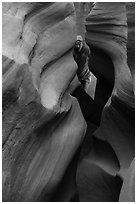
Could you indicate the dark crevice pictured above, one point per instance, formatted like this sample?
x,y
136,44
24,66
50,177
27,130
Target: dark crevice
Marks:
x,y
101,65
32,53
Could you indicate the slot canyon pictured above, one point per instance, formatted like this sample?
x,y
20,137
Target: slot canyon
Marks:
x,y
50,151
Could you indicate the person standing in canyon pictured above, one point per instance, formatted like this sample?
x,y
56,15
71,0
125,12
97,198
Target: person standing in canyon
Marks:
x,y
81,55
91,60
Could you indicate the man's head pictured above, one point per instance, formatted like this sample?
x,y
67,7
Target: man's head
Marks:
x,y
79,43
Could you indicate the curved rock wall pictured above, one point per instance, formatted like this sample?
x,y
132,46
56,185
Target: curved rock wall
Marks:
x,y
109,27
37,58
42,124
130,7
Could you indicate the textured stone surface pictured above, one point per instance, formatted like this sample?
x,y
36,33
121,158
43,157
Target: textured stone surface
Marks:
x,y
42,124
109,23
130,7
127,193
108,29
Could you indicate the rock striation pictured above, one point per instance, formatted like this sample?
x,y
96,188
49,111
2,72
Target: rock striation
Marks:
x,y
109,27
43,126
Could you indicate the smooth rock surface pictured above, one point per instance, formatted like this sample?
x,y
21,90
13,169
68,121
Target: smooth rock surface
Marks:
x,y
107,29
43,126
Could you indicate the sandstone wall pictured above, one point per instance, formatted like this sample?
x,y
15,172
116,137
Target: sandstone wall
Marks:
x,y
42,124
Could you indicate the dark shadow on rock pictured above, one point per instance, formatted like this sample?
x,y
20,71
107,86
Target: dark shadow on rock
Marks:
x,y
96,185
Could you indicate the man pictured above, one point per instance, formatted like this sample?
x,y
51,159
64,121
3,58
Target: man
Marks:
x,y
81,55
90,109
102,67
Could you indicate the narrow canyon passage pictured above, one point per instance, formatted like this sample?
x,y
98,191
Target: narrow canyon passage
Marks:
x,y
61,144
115,136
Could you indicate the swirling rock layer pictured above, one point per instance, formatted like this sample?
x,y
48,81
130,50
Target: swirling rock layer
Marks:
x,y
109,27
42,124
